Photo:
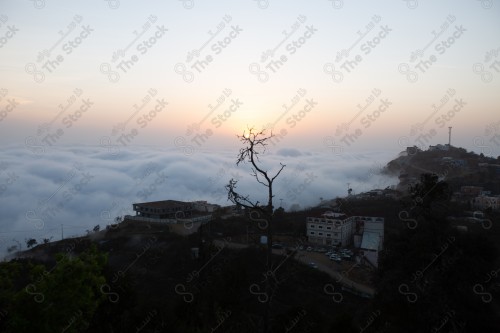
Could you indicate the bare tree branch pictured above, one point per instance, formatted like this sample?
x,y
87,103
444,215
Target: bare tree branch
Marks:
x,y
277,174
254,144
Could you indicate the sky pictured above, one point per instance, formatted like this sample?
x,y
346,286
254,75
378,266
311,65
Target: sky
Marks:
x,y
103,88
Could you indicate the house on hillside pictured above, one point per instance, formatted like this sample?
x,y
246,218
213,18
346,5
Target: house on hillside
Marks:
x,y
488,167
165,209
485,202
439,147
173,211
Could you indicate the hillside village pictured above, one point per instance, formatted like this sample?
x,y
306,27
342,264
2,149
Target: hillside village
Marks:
x,y
339,256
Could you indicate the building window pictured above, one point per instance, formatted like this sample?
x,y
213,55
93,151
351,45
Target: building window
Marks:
x,y
321,227
321,234
328,228
312,225
328,235
311,233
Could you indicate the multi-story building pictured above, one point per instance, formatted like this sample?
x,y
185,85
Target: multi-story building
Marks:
x,y
330,229
165,209
338,229
174,212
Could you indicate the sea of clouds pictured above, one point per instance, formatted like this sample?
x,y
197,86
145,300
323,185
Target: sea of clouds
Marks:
x,y
72,189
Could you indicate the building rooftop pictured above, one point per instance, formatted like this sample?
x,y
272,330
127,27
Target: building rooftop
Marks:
x,y
163,204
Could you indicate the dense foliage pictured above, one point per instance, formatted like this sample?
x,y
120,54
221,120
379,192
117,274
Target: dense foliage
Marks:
x,y
62,298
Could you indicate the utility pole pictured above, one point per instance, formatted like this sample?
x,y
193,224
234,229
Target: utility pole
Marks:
x,y
62,232
449,137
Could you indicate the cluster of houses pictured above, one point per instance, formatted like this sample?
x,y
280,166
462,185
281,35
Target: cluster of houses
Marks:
x,y
335,229
478,198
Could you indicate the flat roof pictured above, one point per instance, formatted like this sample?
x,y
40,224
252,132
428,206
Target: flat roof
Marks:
x,y
329,215
163,204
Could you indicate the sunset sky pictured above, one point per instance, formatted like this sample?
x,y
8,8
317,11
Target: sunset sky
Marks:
x,y
380,37
107,103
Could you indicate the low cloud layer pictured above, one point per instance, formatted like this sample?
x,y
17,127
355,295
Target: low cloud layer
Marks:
x,y
72,189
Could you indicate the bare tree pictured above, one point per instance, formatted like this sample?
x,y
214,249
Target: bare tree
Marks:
x,y
254,144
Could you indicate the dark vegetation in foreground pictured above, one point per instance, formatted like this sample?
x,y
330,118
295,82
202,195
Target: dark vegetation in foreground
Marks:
x,y
143,278
140,277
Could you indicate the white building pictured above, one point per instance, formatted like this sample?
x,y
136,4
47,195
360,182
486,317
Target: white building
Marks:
x,y
373,238
375,225
367,232
330,229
